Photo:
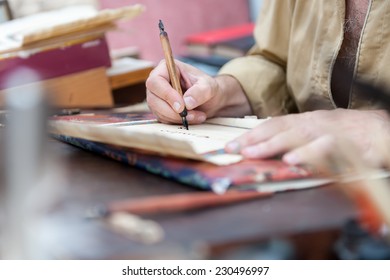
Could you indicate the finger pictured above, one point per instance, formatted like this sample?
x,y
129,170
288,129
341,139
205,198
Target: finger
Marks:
x,y
324,153
196,117
261,133
318,148
279,144
200,86
158,83
165,114
162,109
201,92
188,73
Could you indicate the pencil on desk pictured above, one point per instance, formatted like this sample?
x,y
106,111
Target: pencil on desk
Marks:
x,y
174,77
175,203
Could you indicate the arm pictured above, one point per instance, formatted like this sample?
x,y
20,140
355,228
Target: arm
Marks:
x,y
320,138
204,96
255,84
262,73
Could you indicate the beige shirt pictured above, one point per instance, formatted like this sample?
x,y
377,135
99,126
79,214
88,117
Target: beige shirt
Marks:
x,y
297,43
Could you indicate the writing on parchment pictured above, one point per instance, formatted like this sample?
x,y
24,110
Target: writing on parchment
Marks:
x,y
184,132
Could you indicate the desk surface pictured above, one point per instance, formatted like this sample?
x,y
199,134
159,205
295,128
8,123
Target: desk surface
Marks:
x,y
207,233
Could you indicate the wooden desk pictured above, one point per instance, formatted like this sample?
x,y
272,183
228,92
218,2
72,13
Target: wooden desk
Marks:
x,y
310,219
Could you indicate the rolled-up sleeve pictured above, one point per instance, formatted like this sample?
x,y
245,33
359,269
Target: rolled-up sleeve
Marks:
x,y
262,73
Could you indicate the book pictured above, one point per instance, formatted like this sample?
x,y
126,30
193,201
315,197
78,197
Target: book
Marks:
x,y
264,175
55,62
201,173
271,175
235,47
84,89
204,142
211,60
213,37
203,43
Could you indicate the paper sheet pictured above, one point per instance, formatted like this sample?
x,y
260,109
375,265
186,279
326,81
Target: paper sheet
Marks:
x,y
202,142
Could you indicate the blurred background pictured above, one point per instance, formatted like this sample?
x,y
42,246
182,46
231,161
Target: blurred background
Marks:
x,y
180,17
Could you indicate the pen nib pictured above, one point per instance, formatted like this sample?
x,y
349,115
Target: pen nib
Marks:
x,y
161,25
185,123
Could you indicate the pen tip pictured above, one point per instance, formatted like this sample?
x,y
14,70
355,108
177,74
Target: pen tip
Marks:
x,y
185,123
161,25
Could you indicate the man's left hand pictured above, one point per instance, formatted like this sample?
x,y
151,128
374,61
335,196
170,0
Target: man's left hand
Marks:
x,y
315,136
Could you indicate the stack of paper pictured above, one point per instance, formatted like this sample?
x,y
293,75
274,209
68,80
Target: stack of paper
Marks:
x,y
60,25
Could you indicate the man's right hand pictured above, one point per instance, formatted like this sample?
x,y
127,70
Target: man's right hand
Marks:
x,y
204,96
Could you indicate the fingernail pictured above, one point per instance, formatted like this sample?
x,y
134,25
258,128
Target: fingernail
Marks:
x,y
291,158
251,152
201,118
233,147
190,117
190,102
177,106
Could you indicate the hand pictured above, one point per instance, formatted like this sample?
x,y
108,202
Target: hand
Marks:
x,y
317,136
204,96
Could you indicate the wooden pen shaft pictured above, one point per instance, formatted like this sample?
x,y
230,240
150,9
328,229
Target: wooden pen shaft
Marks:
x,y
173,75
182,202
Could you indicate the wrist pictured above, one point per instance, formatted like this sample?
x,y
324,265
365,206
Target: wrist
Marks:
x,y
233,101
